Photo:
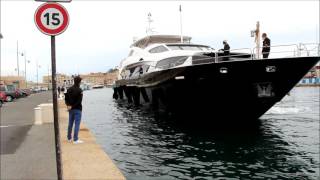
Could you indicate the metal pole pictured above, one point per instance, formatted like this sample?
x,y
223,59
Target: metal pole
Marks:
x,y
18,58
1,36
48,77
25,69
37,74
258,39
181,36
55,107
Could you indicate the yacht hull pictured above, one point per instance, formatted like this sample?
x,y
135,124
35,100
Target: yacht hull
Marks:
x,y
227,90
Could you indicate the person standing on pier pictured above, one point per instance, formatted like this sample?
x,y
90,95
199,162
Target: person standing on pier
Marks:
x,y
73,99
266,46
59,91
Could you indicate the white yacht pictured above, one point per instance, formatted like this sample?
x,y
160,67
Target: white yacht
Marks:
x,y
172,74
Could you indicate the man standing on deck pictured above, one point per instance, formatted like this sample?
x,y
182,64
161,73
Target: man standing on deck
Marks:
x,y
265,46
73,101
226,51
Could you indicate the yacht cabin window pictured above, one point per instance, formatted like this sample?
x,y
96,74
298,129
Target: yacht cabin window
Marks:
x,y
135,71
188,47
171,62
139,70
158,49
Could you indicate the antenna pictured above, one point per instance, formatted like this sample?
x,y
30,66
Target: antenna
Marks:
x,y
149,29
256,33
180,10
317,34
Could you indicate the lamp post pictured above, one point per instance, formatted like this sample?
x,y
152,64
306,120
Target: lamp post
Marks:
x,y
49,79
1,37
18,58
38,66
25,67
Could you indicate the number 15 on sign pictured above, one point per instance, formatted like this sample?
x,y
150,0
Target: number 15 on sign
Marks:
x,y
51,19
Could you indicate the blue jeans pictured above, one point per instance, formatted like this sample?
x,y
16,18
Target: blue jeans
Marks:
x,y
74,117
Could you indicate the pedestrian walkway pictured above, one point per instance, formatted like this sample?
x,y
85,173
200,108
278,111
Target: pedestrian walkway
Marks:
x,y
27,150
87,160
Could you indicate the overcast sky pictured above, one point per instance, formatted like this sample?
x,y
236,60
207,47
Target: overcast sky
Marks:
x,y
100,32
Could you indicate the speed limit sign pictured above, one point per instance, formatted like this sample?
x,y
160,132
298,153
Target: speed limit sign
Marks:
x,y
51,19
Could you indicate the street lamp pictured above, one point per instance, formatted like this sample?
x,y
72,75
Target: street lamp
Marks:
x,y
49,77
38,66
25,67
1,37
18,57
21,54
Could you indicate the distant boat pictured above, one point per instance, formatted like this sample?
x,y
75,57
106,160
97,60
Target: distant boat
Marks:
x,y
309,81
85,87
109,85
98,86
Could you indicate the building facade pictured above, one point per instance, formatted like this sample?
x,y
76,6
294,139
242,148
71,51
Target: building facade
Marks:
x,y
100,78
62,80
92,79
17,81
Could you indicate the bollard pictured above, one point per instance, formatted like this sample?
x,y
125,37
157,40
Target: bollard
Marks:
x,y
46,112
37,116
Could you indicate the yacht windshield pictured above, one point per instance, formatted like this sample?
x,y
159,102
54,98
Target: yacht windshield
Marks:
x,y
188,47
158,49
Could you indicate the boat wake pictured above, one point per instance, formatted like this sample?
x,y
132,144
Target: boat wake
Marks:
x,y
287,110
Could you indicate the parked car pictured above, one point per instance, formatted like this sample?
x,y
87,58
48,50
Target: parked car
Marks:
x,y
10,92
21,93
18,93
3,98
35,89
44,89
27,91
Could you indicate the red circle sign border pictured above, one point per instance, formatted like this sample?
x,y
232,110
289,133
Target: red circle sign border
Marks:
x,y
42,28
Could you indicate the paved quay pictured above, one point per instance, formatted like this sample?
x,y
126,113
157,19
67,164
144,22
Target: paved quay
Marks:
x,y
84,161
27,150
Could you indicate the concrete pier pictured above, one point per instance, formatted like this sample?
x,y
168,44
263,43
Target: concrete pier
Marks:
x,y
28,148
87,160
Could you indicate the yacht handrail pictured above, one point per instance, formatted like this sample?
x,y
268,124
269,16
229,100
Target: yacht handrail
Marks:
x,y
296,51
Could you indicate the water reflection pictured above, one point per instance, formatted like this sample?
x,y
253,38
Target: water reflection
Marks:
x,y
161,147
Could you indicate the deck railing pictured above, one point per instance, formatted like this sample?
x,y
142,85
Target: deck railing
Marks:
x,y
278,51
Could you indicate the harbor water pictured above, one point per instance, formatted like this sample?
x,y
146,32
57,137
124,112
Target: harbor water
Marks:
x,y
284,144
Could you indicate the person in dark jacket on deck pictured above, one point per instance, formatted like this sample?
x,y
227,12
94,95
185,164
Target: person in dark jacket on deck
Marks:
x,y
226,50
73,99
266,45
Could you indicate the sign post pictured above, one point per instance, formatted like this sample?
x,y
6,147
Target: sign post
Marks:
x,y
52,19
